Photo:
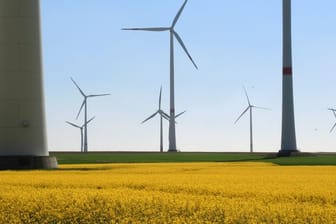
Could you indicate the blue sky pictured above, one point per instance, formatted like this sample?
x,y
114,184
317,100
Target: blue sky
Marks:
x,y
234,43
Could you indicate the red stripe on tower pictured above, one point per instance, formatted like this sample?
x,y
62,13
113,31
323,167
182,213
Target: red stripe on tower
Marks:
x,y
287,71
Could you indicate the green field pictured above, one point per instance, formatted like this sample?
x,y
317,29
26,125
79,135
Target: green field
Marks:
x,y
152,157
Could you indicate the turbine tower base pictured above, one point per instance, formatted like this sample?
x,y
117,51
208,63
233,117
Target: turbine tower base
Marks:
x,y
287,153
27,162
172,150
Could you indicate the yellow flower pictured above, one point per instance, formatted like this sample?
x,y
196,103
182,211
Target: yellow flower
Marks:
x,y
170,193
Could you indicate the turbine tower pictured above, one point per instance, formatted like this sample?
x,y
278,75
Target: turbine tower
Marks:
x,y
249,108
84,104
173,35
81,131
23,142
162,115
288,138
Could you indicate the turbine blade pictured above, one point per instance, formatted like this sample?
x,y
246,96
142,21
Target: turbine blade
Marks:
x,y
334,113
184,48
179,14
155,29
150,117
164,114
160,98
263,108
242,114
332,110
248,99
80,109
333,128
180,114
90,120
96,95
80,90
72,124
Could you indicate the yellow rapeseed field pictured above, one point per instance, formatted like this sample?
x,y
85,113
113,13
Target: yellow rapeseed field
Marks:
x,y
170,193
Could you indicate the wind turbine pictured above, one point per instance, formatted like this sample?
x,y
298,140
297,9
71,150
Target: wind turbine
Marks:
x,y
334,112
249,108
162,115
23,138
84,104
81,130
288,138
173,35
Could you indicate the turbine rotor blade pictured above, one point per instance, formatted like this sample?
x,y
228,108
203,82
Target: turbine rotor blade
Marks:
x,y
163,114
96,95
184,48
150,117
80,109
179,14
160,98
248,99
180,114
333,110
334,113
72,124
242,114
80,90
333,128
90,120
155,29
263,108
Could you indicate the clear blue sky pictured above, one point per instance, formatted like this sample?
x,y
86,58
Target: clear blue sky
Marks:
x,y
234,43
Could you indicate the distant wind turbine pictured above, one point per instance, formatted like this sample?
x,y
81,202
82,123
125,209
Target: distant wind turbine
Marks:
x,y
334,112
162,115
81,130
84,104
249,108
173,34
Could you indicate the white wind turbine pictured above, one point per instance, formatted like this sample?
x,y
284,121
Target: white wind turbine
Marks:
x,y
249,108
84,104
173,34
334,112
162,115
81,130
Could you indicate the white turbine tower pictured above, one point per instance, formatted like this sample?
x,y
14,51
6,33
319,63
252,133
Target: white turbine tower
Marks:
x,y
173,34
81,131
288,138
23,143
249,108
84,104
162,115
334,112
